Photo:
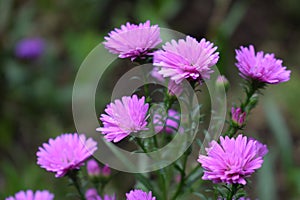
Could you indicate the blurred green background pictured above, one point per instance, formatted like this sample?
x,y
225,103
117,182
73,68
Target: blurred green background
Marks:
x,y
36,94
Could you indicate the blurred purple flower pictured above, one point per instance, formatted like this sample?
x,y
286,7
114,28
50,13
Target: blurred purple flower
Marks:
x,y
233,160
139,195
30,195
260,67
186,59
238,117
132,41
30,48
93,168
92,194
241,198
170,122
64,153
124,117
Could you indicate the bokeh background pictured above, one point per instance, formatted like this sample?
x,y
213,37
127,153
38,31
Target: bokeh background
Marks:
x,y
36,92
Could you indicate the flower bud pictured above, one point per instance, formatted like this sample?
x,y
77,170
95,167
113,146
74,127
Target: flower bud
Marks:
x,y
222,82
237,116
106,171
93,168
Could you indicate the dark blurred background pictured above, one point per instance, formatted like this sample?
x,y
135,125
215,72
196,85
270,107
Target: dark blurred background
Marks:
x,y
36,87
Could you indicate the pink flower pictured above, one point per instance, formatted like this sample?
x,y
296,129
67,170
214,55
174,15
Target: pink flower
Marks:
x,y
30,195
124,117
238,117
64,153
139,195
186,59
170,122
261,67
233,160
132,41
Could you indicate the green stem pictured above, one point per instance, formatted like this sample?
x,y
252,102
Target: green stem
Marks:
x,y
182,178
163,183
73,175
233,191
140,143
246,106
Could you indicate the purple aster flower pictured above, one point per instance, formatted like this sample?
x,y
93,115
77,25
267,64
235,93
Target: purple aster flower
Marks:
x,y
139,195
232,160
186,59
261,67
93,168
66,152
92,194
30,48
30,195
238,117
171,122
124,117
132,41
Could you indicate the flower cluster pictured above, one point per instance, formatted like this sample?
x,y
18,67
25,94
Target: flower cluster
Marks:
x,y
229,161
170,122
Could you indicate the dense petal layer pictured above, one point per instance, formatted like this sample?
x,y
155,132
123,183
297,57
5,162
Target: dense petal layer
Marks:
x,y
132,41
232,160
66,152
186,59
261,67
123,117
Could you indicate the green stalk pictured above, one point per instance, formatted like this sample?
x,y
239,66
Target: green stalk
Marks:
x,y
73,175
252,89
182,179
233,191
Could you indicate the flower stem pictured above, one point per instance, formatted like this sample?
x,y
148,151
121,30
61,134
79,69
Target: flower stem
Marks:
x,y
182,178
73,175
252,88
140,143
233,191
